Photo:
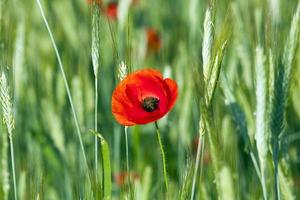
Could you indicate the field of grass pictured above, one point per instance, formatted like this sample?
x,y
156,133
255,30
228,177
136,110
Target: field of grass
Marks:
x,y
234,132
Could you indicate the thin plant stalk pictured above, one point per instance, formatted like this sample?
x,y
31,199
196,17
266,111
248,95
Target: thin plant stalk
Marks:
x,y
255,164
65,82
212,139
95,60
12,155
163,157
196,170
121,75
4,167
9,121
96,128
127,151
263,183
198,158
275,160
127,157
201,156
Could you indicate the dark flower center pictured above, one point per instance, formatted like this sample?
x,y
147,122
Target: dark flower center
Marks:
x,y
150,104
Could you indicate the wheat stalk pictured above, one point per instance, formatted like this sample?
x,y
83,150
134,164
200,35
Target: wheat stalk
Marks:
x,y
122,73
281,89
261,135
95,60
4,167
9,121
206,57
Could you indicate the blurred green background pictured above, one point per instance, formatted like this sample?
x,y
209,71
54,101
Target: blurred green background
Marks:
x,y
48,158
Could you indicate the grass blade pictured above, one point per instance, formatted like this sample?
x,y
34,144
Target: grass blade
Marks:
x,y
106,167
66,84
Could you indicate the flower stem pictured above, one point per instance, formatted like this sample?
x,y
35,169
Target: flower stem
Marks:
x,y
163,157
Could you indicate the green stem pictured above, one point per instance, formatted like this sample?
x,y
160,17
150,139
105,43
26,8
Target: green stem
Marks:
x,y
96,129
127,151
106,169
13,165
275,160
66,85
127,160
263,183
163,157
201,157
213,144
198,157
255,165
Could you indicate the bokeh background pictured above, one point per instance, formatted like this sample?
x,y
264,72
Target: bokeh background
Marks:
x,y
166,35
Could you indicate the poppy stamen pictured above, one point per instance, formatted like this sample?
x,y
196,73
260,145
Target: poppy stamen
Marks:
x,y
150,104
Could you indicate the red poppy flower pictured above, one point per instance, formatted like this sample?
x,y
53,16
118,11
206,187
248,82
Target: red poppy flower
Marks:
x,y
153,40
122,177
143,97
112,10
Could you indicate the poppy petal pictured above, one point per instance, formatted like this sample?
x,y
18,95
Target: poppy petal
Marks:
x,y
172,91
120,105
147,83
